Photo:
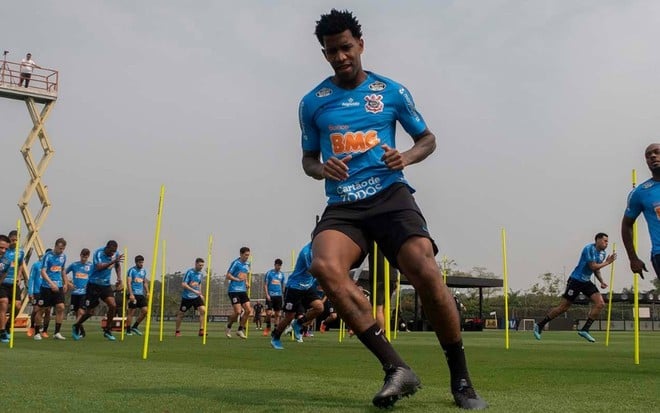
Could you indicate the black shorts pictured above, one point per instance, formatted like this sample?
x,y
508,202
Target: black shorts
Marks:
x,y
380,279
275,303
50,298
6,291
77,302
188,303
140,302
35,299
655,260
328,308
296,301
239,298
575,287
390,218
95,293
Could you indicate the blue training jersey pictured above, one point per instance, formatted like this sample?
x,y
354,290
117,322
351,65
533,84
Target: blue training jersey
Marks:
x,y
101,277
274,281
7,264
34,282
300,278
339,122
54,267
137,276
80,276
317,287
645,199
241,270
194,280
589,254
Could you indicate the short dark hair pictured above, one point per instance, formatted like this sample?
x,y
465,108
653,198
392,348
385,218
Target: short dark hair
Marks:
x,y
198,260
138,258
278,262
60,241
5,239
337,22
111,244
243,250
84,251
13,233
600,235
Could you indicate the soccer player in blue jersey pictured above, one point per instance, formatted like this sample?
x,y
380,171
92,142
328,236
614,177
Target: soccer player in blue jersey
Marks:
x,y
192,297
7,284
592,259
329,314
348,123
237,274
300,293
104,260
273,282
138,292
54,285
4,299
80,272
644,199
34,289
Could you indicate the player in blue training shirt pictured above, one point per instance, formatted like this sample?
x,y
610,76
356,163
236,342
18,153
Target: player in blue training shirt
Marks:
x,y
300,292
34,289
4,299
80,272
7,284
192,296
592,259
348,125
237,274
54,285
273,282
104,260
329,314
138,292
645,199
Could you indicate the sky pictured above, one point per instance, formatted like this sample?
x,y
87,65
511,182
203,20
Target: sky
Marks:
x,y
541,110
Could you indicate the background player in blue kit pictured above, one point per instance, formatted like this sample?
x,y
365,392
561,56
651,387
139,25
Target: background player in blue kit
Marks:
x,y
273,288
98,288
138,293
349,121
192,297
4,300
80,272
592,259
645,199
237,274
54,285
34,289
7,274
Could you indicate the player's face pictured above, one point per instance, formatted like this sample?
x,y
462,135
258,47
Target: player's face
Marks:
x,y
199,266
84,258
343,52
245,256
58,249
139,264
652,155
3,247
109,251
601,244
278,267
12,240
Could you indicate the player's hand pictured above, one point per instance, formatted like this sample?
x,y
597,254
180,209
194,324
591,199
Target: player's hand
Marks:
x,y
336,169
611,258
392,158
603,285
119,259
268,297
65,287
637,266
201,296
54,287
131,298
118,285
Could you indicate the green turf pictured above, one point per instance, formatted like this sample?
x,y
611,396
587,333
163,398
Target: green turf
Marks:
x,y
562,373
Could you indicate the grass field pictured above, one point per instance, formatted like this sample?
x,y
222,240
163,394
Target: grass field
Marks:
x,y
562,373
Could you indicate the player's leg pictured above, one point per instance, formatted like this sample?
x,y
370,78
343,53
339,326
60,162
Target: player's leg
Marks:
x,y
597,305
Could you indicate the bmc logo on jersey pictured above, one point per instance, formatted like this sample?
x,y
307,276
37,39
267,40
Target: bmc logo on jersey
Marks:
x,y
374,103
351,142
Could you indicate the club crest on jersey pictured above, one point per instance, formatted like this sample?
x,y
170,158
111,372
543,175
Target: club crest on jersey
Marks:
x,y
377,86
647,185
324,92
374,103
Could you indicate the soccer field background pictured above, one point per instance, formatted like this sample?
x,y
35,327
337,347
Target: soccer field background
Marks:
x,y
561,373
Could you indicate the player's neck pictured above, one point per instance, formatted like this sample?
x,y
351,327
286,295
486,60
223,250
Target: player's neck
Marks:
x,y
352,84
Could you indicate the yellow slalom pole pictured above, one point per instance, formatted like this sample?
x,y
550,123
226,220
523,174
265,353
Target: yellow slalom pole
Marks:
x,y
162,292
374,281
444,269
154,261
635,281
12,313
506,291
388,303
397,304
208,287
124,305
341,329
609,305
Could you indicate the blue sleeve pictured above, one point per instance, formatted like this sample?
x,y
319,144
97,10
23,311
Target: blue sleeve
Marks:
x,y
234,269
311,139
69,269
591,254
97,258
32,279
634,206
186,278
407,114
130,272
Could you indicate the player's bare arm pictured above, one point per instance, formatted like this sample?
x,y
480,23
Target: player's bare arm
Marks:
x,y
334,168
